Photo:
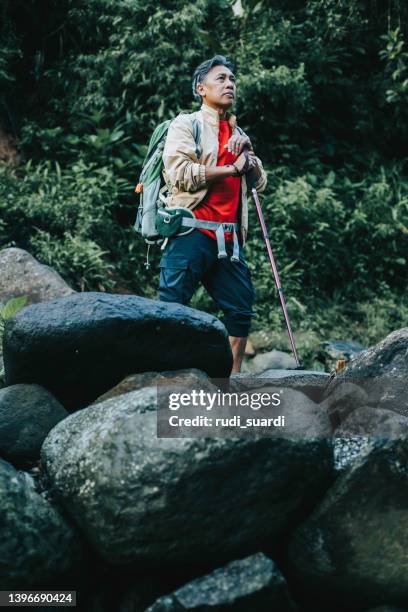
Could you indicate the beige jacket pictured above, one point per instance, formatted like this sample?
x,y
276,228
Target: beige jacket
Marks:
x,y
184,173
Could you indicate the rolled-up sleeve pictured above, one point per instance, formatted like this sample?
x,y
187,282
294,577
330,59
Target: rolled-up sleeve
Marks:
x,y
179,156
263,179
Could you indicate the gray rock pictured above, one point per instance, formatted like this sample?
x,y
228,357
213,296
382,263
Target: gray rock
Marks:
x,y
277,360
37,544
311,383
164,501
81,346
347,450
190,378
374,422
298,417
353,546
27,414
253,583
381,371
342,399
22,274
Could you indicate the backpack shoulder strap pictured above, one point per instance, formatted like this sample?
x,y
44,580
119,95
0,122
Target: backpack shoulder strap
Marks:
x,y
197,129
156,138
240,130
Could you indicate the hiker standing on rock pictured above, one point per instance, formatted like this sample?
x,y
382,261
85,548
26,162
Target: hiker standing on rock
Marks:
x,y
210,178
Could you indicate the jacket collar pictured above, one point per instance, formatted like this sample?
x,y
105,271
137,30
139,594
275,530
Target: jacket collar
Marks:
x,y
213,117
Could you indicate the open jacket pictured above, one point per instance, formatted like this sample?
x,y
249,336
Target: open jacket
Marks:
x,y
184,172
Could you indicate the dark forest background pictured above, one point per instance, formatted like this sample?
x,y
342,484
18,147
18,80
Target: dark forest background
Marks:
x,y
322,91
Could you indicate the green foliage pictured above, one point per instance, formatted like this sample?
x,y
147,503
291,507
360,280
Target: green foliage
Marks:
x,y
67,219
331,236
7,311
396,57
93,143
9,52
141,60
322,91
11,308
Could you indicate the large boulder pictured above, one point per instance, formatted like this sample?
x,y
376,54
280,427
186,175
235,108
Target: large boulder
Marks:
x,y
189,378
22,274
381,371
253,583
80,346
37,546
27,414
353,547
309,382
373,422
286,413
340,400
166,501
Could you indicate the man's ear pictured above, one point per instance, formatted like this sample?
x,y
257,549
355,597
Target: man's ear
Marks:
x,y
200,90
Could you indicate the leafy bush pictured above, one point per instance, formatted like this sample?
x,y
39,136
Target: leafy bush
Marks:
x,y
322,90
7,311
67,219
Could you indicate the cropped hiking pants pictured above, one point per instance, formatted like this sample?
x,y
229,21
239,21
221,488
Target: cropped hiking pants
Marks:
x,y
193,258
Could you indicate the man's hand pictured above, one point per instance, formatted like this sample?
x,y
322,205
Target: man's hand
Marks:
x,y
246,162
237,143
254,165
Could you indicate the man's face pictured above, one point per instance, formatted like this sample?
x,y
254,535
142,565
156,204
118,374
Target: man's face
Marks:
x,y
219,87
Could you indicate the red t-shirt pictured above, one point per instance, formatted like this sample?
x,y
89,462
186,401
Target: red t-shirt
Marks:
x,y
222,199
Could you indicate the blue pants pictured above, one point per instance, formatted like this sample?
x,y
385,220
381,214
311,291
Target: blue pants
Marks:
x,y
191,259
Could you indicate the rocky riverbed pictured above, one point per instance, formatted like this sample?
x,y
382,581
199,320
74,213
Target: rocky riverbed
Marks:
x,y
310,518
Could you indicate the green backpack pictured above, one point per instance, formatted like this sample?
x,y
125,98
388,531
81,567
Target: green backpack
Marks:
x,y
151,185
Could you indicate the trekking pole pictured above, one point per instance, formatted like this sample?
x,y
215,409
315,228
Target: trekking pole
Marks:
x,y
251,184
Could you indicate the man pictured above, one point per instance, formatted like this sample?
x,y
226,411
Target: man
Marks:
x,y
211,180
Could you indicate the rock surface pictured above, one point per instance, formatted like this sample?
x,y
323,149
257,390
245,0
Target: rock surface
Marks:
x,y
374,422
22,274
81,346
253,583
190,378
37,544
348,449
311,383
27,414
381,371
353,547
165,501
299,418
270,360
341,399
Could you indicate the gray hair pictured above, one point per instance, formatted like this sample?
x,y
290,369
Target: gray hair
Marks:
x,y
204,68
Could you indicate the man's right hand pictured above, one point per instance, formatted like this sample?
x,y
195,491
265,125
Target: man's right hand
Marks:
x,y
244,163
